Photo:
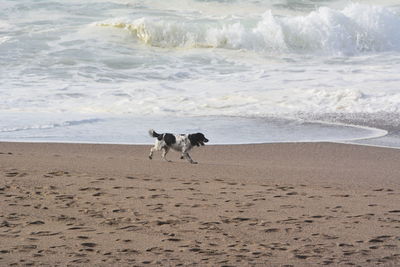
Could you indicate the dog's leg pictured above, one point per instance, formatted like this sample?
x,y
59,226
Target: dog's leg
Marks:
x,y
188,158
157,147
151,152
165,150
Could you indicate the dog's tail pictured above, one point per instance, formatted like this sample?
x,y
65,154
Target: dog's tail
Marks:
x,y
153,133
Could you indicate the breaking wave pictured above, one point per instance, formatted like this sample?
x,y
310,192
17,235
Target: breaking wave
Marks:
x,y
355,29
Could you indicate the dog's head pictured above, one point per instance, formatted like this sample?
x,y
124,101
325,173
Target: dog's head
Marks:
x,y
197,139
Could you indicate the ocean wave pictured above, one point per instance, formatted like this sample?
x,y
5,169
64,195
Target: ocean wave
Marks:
x,y
49,126
355,29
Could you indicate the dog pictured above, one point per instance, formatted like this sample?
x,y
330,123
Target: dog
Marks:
x,y
179,142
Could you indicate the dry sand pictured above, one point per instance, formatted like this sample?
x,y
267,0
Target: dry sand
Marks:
x,y
242,205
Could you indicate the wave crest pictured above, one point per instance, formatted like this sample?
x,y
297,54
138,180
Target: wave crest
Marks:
x,y
355,29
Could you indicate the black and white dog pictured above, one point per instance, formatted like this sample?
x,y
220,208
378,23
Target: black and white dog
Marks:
x,y
179,142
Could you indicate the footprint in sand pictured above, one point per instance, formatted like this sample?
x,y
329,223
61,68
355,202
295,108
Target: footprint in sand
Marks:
x,y
12,174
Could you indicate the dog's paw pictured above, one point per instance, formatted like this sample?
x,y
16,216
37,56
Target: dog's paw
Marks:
x,y
193,162
150,157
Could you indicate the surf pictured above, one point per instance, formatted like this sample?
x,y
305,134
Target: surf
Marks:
x,y
354,30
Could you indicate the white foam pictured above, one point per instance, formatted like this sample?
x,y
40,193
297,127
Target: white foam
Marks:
x,y
353,30
4,39
20,128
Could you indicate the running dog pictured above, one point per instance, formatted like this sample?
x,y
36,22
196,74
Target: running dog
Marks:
x,y
180,142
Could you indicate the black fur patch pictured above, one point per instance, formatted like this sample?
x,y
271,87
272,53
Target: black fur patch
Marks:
x,y
169,139
197,139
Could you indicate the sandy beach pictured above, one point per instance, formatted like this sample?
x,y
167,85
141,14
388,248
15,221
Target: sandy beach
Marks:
x,y
297,204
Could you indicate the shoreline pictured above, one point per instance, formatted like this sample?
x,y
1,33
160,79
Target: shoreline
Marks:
x,y
299,204
350,142
264,130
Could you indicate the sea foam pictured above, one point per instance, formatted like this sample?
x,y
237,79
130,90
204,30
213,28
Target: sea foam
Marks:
x,y
353,30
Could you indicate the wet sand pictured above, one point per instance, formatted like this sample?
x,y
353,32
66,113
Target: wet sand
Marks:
x,y
243,205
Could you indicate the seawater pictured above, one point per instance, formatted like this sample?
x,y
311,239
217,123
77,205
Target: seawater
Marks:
x,y
241,71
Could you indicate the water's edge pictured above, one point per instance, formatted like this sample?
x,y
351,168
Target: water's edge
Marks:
x,y
235,131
